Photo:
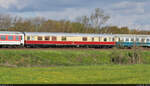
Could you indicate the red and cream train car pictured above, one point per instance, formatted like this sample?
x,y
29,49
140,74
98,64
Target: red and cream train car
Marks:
x,y
34,39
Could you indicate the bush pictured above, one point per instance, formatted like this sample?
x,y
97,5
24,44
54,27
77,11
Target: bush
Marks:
x,y
130,57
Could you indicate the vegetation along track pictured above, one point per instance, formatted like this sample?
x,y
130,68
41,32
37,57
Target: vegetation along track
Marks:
x,y
55,48
65,49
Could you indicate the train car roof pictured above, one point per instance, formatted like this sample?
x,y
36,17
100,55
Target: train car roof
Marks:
x,y
64,34
10,32
79,34
70,34
131,35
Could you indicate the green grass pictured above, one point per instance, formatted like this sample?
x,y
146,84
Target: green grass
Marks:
x,y
104,74
28,58
53,57
70,67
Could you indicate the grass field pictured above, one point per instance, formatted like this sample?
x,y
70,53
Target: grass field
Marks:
x,y
28,58
70,67
46,58
103,74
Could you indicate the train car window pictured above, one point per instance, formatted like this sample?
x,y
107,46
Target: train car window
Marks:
x,y
137,39
33,38
47,38
142,40
3,37
105,39
17,37
28,37
119,39
147,40
10,37
54,38
84,38
92,39
127,39
113,39
39,37
132,39
63,38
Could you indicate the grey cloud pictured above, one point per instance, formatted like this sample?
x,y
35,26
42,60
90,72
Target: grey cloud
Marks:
x,y
54,5
127,15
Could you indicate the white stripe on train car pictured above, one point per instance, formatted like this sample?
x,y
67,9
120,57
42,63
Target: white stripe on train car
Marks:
x,y
10,42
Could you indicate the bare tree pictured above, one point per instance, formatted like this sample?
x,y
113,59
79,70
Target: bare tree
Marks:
x,y
96,20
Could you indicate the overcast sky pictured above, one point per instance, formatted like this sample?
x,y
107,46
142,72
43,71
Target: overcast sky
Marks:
x,y
131,13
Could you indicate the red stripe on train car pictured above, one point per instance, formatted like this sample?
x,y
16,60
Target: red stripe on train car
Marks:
x,y
96,43
69,42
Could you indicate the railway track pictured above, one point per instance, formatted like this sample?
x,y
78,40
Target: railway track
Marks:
x,y
50,49
67,49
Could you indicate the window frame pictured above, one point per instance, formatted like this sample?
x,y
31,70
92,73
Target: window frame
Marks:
x,y
28,38
137,39
113,39
127,40
17,38
105,39
119,39
84,39
54,38
12,37
39,38
132,39
147,40
47,38
63,38
143,40
93,39
32,37
3,36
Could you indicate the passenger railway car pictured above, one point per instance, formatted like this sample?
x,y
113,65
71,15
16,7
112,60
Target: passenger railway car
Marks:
x,y
128,40
34,39
43,39
11,39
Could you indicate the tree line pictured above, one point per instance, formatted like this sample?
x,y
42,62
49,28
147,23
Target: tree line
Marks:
x,y
94,23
